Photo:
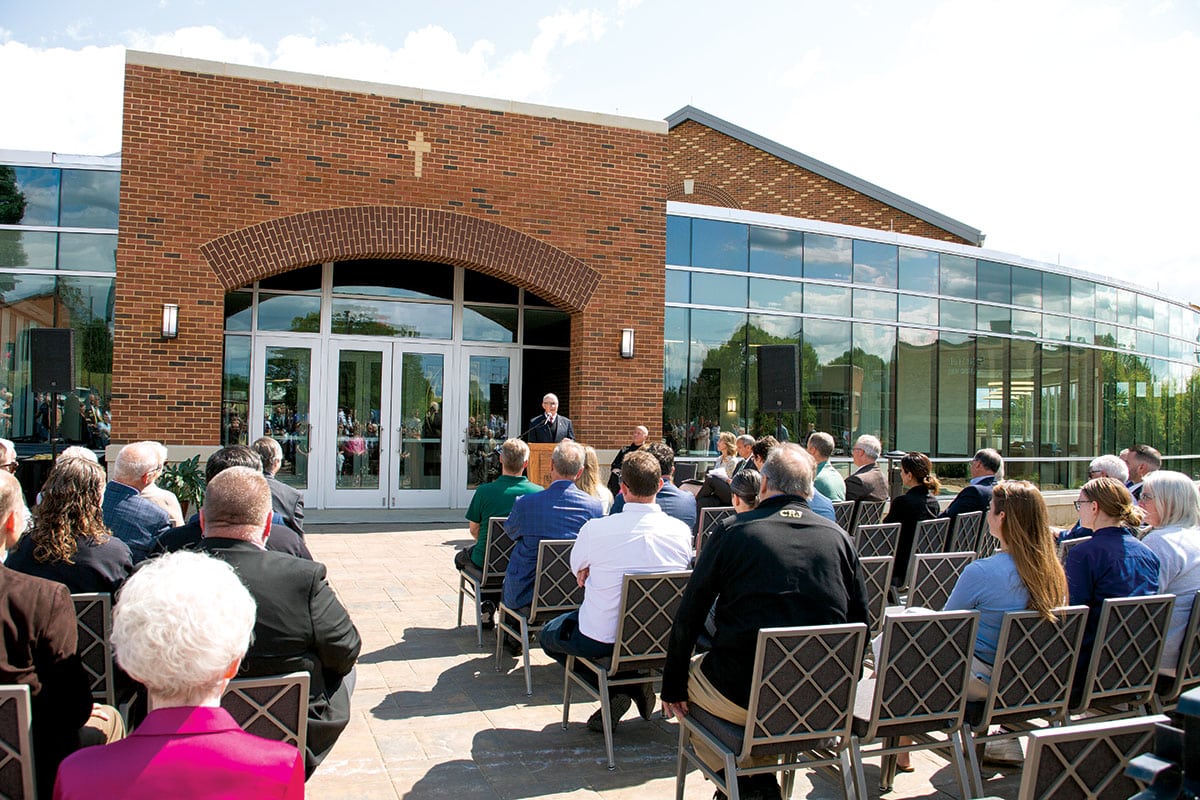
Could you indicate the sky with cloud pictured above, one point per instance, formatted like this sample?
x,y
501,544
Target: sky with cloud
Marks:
x,y
1066,130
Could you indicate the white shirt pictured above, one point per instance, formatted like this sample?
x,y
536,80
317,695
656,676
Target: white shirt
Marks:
x,y
1178,551
640,539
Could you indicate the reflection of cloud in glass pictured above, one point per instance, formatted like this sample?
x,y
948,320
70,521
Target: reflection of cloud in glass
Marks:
x,y
714,328
40,187
878,340
957,276
33,249
88,251
88,297
275,313
89,198
874,305
781,327
830,300
829,339
25,288
919,337
827,257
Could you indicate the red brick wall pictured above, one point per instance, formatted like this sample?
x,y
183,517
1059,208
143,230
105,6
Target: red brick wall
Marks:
x,y
206,155
732,174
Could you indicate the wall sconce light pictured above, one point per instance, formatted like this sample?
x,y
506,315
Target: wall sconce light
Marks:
x,y
731,405
627,343
170,321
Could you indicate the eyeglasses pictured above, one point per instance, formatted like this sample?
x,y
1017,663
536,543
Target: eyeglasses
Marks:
x,y
1079,503
10,466
1095,473
1146,496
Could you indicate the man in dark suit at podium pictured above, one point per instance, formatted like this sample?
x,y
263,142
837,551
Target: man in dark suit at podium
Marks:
x,y
550,427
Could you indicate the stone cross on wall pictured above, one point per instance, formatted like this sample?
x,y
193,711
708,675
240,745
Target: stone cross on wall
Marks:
x,y
419,147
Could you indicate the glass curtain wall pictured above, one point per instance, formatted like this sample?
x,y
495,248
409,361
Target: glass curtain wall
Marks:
x,y
58,244
928,346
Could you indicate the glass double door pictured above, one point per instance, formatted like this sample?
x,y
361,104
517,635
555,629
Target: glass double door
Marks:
x,y
413,426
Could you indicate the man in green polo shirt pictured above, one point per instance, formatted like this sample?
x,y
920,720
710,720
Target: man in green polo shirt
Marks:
x,y
496,499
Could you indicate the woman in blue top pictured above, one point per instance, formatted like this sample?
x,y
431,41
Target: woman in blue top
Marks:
x,y
1024,574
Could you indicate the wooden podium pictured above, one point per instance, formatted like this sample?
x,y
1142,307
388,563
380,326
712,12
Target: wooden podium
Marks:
x,y
539,462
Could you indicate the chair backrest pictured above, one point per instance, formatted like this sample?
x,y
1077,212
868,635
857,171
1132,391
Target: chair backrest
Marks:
x,y
966,530
869,512
1066,545
273,707
1086,760
843,514
877,540
555,589
1129,643
648,605
988,545
921,676
877,572
933,578
16,744
803,685
684,471
1035,661
930,536
1187,669
709,517
496,553
93,621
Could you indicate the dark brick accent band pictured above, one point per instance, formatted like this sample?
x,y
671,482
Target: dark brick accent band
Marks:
x,y
340,234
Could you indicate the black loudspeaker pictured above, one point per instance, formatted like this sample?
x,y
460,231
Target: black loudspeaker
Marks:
x,y
778,380
52,359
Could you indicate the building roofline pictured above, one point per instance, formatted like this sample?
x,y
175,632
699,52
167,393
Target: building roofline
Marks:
x,y
243,71
961,229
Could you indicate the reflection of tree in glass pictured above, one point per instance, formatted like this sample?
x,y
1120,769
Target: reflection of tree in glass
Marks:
x,y
362,323
12,209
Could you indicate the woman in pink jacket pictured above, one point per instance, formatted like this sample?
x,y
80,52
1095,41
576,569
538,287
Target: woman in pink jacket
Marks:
x,y
181,627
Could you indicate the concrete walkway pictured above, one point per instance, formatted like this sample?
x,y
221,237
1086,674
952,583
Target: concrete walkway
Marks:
x,y
433,718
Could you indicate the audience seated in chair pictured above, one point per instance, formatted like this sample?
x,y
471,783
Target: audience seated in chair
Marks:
x,y
181,627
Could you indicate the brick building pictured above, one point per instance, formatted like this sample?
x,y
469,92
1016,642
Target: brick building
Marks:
x,y
388,279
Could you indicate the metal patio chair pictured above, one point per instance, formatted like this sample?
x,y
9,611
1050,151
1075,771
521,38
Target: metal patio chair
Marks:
x,y
1067,545
555,591
843,515
273,707
1086,760
476,582
919,690
877,572
877,540
966,531
93,619
1187,669
1031,680
1123,666
869,512
17,774
933,578
648,605
709,517
931,536
801,708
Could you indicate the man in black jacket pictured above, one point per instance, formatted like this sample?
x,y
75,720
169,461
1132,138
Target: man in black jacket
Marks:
x,y
301,624
286,500
779,565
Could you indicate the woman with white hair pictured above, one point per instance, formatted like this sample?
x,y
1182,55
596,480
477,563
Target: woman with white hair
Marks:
x,y
1172,507
181,627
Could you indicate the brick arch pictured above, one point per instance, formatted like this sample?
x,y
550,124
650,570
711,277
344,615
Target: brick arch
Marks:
x,y
706,194
338,234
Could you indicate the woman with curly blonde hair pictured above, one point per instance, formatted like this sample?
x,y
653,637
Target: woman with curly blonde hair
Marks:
x,y
69,541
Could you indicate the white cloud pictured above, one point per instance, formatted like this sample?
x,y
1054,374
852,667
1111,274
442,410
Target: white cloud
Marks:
x,y
65,101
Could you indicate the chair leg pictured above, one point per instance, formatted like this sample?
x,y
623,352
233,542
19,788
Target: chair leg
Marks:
x,y
567,690
966,740
525,654
681,762
960,766
731,778
849,787
462,591
860,775
606,717
479,617
499,634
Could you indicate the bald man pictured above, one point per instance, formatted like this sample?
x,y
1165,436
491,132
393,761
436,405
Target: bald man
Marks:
x,y
131,517
549,427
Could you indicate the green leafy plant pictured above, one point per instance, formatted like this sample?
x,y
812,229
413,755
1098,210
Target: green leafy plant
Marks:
x,y
185,480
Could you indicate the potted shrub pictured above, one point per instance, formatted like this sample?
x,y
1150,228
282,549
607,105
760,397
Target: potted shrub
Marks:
x,y
185,480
